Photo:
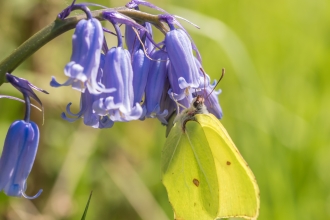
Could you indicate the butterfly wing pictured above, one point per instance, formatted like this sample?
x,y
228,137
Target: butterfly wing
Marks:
x,y
205,175
189,174
238,189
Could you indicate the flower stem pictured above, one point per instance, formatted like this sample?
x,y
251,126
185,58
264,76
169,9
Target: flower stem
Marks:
x,y
27,107
59,27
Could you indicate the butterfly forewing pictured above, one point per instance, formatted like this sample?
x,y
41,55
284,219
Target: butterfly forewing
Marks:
x,y
238,189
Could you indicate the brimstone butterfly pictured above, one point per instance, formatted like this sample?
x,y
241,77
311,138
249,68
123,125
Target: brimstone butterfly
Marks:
x,y
204,174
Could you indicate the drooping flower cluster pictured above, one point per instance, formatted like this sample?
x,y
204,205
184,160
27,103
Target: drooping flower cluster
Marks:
x,y
143,80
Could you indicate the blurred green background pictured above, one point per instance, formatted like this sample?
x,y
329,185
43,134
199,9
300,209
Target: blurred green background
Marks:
x,y
275,100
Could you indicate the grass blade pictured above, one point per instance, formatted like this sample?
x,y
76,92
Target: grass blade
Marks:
x,y
86,208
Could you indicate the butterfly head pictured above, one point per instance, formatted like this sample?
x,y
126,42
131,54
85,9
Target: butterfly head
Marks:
x,y
198,105
198,102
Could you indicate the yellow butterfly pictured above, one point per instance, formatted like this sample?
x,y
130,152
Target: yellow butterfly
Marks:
x,y
204,174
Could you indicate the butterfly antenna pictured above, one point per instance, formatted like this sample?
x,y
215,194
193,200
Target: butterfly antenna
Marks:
x,y
222,75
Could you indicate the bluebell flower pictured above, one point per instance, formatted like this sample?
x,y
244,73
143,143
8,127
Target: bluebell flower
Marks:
x,y
118,73
179,49
82,70
86,107
21,144
17,158
156,85
140,65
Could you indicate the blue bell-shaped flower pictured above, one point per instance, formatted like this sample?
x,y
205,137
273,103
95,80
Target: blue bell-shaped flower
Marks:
x,y
140,65
17,158
118,74
82,70
179,49
86,107
155,86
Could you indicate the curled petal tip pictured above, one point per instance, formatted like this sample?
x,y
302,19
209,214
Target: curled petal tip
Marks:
x,y
32,197
63,116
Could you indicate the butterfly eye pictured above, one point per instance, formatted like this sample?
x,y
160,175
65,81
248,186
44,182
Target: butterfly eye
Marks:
x,y
196,103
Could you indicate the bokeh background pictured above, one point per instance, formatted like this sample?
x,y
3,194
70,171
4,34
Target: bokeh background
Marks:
x,y
275,98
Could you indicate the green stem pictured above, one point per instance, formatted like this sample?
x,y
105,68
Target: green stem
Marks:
x,y
59,27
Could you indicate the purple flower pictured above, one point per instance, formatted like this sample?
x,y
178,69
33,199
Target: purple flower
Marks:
x,y
155,85
178,47
17,158
118,73
85,60
141,64
86,107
